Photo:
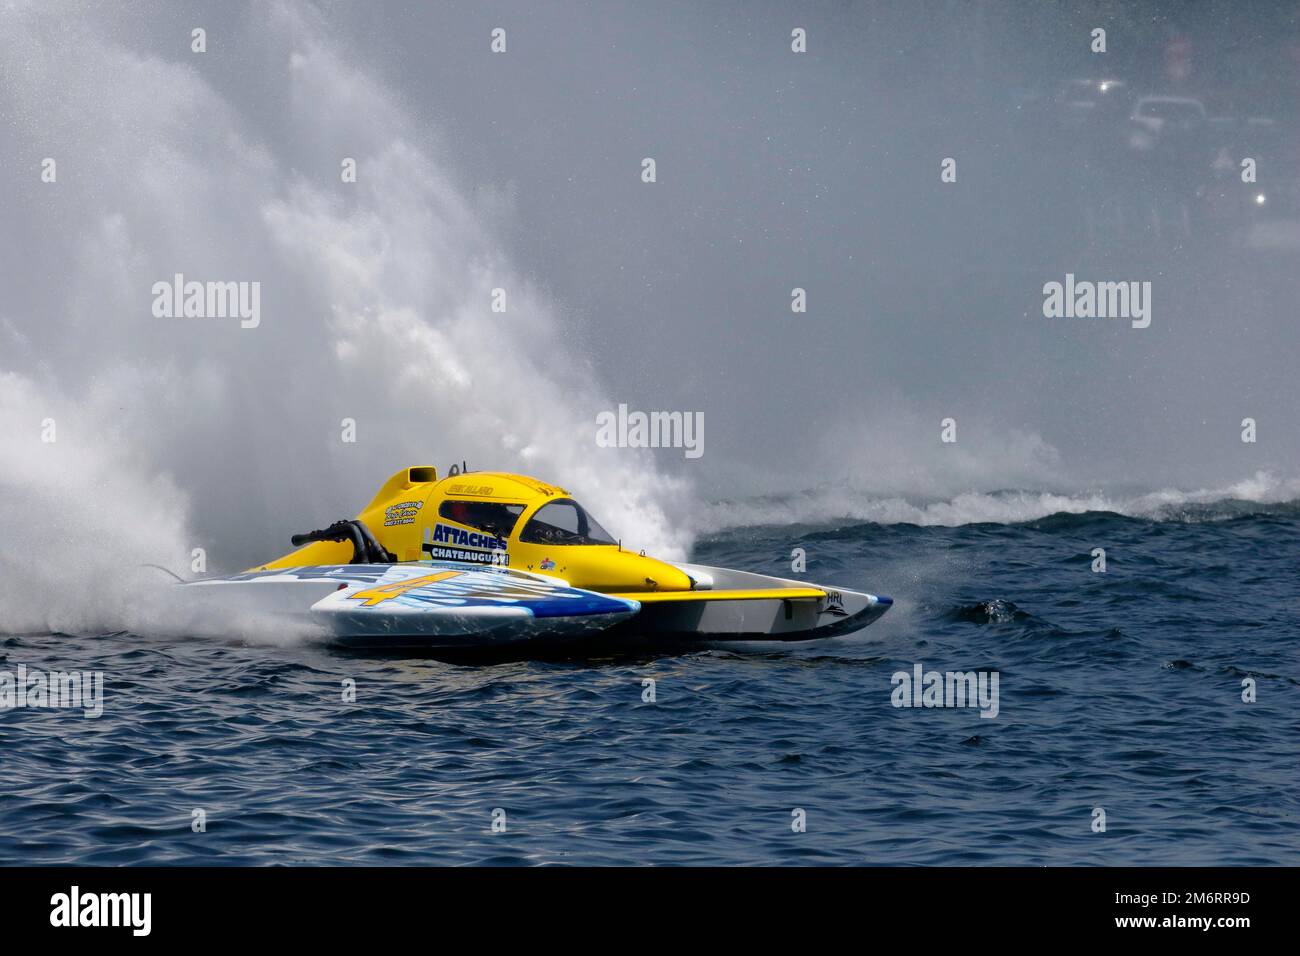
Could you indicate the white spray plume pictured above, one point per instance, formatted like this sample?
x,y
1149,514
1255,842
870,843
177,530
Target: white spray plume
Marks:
x,y
175,433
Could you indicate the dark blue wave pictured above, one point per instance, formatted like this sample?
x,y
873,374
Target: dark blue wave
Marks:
x,y
1120,691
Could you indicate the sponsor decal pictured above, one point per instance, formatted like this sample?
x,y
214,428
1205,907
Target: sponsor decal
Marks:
x,y
439,553
403,512
547,564
448,534
445,542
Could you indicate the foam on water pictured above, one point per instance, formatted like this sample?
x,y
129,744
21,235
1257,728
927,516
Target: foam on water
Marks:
x,y
829,503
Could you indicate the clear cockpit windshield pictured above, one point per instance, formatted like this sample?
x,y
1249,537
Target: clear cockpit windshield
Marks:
x,y
564,522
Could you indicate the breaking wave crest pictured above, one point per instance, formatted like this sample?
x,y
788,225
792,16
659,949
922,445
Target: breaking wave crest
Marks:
x,y
834,503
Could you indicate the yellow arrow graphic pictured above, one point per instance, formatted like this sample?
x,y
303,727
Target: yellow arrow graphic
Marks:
x,y
385,592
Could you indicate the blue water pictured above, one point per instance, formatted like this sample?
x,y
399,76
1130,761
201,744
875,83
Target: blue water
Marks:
x,y
1119,691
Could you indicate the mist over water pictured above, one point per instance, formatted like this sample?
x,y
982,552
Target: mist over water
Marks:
x,y
521,172
173,434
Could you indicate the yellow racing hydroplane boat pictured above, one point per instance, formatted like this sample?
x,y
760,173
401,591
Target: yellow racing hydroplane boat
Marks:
x,y
488,559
